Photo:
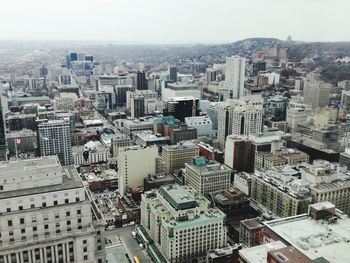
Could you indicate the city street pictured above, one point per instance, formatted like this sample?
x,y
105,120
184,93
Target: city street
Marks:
x,y
123,236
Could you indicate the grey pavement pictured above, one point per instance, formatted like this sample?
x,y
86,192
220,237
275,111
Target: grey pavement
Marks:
x,y
122,236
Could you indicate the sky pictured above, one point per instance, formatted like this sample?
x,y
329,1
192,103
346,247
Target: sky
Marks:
x,y
174,21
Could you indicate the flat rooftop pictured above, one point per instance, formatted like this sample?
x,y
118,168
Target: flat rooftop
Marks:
x,y
314,238
70,178
258,254
178,197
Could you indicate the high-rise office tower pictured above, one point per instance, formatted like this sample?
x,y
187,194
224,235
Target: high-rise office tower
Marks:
x,y
207,176
54,137
181,107
46,215
239,117
316,91
238,153
137,106
141,80
173,73
234,76
3,144
211,74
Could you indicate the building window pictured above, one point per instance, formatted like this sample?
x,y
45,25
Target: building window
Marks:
x,y
35,228
85,257
85,249
55,202
66,201
79,212
20,207
67,213
84,241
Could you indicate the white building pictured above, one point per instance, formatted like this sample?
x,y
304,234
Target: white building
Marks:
x,y
297,112
151,101
55,138
134,164
273,77
243,182
181,224
120,141
173,90
234,76
46,215
66,101
203,125
239,118
91,152
207,176
316,91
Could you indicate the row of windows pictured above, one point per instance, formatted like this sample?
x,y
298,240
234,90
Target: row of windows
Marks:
x,y
46,217
44,204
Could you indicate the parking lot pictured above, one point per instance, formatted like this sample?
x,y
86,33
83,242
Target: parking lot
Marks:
x,y
123,237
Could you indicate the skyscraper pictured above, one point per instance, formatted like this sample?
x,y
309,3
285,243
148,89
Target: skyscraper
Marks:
x,y
3,145
173,73
141,80
234,76
239,117
316,91
137,106
54,137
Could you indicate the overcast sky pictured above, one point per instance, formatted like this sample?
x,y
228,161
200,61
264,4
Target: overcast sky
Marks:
x,y
174,21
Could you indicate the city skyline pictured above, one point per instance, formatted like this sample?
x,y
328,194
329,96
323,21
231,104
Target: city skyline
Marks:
x,y
159,22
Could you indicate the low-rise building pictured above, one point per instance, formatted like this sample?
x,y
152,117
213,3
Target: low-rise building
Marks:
x,y
91,152
148,138
321,234
251,233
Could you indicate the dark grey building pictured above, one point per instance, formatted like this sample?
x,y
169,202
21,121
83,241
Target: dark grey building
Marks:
x,y
173,73
182,133
141,80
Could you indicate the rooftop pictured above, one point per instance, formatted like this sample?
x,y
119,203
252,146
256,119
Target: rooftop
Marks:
x,y
181,146
200,165
39,166
178,197
289,255
297,180
316,238
258,254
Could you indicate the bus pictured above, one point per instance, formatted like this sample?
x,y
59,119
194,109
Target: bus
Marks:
x,y
136,259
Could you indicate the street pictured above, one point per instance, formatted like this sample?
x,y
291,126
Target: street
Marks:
x,y
122,236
